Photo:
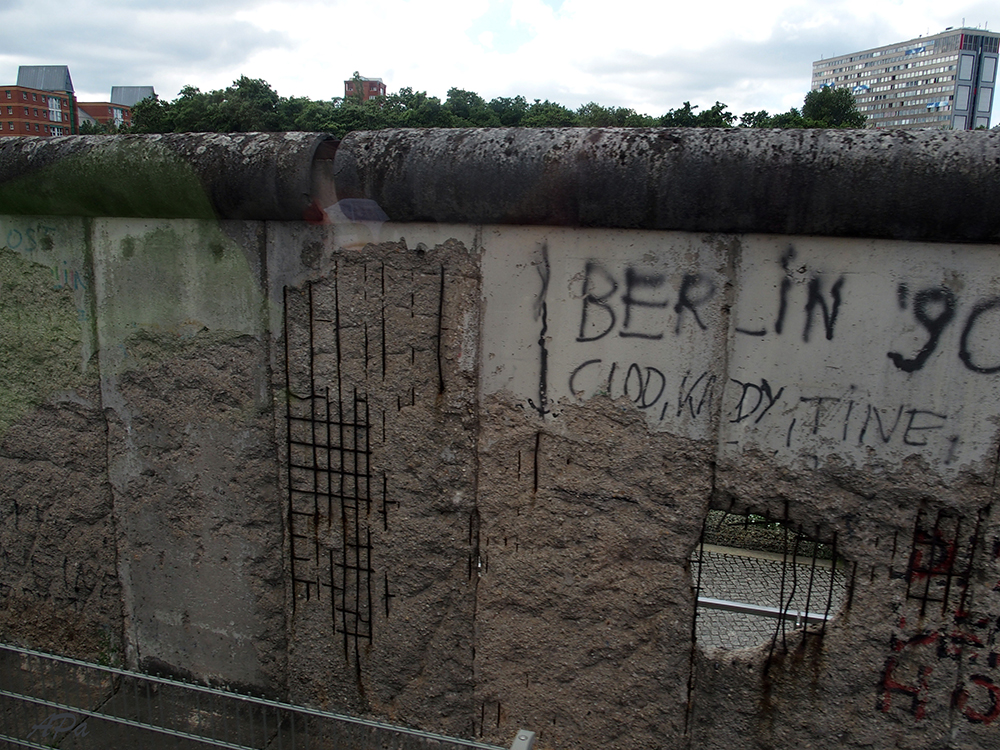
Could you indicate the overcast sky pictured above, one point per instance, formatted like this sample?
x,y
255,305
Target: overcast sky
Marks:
x,y
650,57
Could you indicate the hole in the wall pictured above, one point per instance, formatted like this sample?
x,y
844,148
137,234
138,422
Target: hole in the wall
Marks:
x,y
763,581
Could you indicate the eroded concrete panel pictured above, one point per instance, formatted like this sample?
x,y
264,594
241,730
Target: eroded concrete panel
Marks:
x,y
377,367
452,476
190,447
58,584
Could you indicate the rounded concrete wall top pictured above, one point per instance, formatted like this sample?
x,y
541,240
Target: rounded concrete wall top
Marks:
x,y
926,185
184,175
929,185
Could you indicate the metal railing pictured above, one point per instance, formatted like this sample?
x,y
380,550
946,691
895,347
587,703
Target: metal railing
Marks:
x,y
51,701
748,597
798,616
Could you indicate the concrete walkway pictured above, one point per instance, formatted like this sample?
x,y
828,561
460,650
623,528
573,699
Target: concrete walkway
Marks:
x,y
755,578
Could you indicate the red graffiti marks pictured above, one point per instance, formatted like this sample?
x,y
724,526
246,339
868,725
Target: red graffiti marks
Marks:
x,y
892,684
954,665
941,560
993,701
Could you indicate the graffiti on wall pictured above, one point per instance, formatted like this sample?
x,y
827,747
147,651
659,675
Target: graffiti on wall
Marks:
x,y
364,350
805,348
37,241
944,656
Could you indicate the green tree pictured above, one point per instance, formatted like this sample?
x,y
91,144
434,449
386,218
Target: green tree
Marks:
x,y
470,109
548,115
833,107
98,128
151,115
759,119
716,116
683,117
790,119
301,113
593,115
249,105
190,111
509,110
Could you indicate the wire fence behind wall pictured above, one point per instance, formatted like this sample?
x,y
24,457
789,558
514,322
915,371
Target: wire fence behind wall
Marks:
x,y
51,701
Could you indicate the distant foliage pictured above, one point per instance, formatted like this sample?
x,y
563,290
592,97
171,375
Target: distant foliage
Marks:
x,y
250,104
833,107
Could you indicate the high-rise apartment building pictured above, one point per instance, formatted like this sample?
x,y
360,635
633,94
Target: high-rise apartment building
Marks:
x,y
942,81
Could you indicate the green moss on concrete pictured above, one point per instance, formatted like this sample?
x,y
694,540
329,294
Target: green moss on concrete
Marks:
x,y
123,178
40,337
176,278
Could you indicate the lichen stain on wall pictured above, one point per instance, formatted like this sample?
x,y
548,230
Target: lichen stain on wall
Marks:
x,y
40,337
179,277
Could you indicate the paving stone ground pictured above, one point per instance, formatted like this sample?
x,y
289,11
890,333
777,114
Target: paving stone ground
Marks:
x,y
756,578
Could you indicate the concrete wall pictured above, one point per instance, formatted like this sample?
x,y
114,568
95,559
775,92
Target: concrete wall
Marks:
x,y
448,467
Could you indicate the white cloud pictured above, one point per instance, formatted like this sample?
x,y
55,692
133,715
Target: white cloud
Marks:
x,y
627,53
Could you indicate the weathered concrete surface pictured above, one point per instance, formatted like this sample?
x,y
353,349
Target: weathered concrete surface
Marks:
x,y
179,175
452,475
59,588
570,316
585,608
382,368
138,446
934,185
867,357
191,453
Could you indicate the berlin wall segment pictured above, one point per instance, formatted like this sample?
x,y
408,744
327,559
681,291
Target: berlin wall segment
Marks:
x,y
160,377
492,449
127,421
59,589
837,383
555,453
562,477
377,361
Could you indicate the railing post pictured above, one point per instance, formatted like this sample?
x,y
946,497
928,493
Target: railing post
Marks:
x,y
524,740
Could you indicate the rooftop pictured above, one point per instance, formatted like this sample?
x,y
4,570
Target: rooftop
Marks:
x,y
45,77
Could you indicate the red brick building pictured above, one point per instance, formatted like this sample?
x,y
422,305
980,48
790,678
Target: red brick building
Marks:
x,y
369,87
41,103
106,113
25,111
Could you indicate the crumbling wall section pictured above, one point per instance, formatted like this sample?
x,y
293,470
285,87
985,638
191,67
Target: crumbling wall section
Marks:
x,y
378,371
59,587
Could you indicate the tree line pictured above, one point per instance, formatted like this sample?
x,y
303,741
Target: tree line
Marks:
x,y
251,104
